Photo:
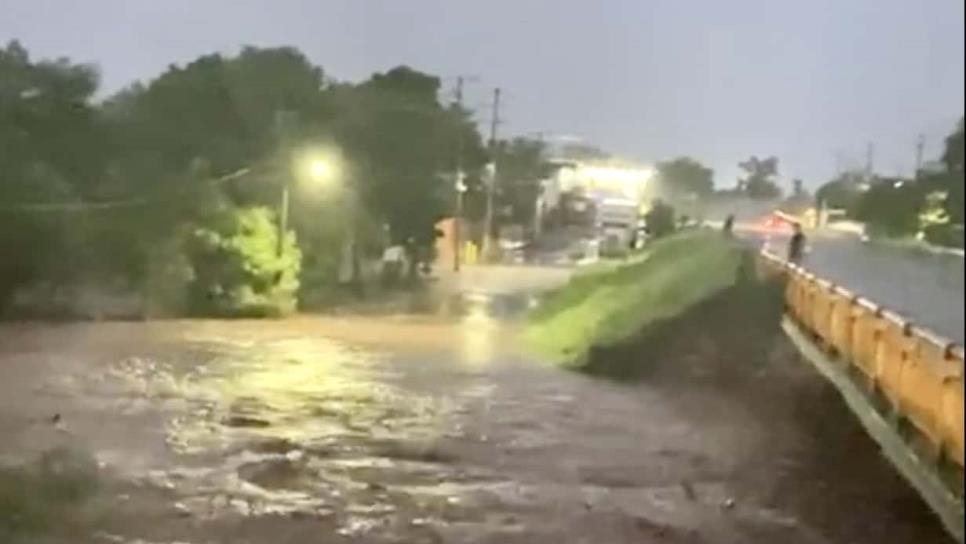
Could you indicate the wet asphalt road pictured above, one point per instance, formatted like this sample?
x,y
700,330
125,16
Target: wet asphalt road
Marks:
x,y
408,428
925,288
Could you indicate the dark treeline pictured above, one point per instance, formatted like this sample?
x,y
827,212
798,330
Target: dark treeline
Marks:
x,y
169,189
929,204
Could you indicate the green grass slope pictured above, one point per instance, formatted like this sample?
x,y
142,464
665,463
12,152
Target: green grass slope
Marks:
x,y
610,302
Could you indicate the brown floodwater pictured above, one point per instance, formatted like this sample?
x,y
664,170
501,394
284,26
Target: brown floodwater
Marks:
x,y
423,426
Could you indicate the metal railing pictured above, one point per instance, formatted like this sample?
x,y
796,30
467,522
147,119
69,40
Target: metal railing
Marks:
x,y
917,373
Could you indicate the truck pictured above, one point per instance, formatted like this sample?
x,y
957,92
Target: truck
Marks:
x,y
616,223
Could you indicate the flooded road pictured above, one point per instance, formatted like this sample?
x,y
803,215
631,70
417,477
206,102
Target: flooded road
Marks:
x,y
410,428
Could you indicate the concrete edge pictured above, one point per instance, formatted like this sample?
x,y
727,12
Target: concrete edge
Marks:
x,y
947,505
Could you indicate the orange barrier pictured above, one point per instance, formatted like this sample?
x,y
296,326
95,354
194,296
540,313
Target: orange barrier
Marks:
x,y
919,373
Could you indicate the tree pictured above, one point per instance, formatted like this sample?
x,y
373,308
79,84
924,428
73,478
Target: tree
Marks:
x,y
891,207
522,166
403,142
759,180
212,117
660,220
238,269
51,150
953,153
953,159
163,150
684,176
840,193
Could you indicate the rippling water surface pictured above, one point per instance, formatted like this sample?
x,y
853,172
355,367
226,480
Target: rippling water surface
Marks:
x,y
429,427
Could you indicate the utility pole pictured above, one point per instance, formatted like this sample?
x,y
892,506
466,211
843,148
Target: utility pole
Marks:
x,y
284,127
538,200
491,188
458,183
869,161
920,149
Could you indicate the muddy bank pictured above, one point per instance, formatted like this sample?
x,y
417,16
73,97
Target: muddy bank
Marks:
x,y
818,464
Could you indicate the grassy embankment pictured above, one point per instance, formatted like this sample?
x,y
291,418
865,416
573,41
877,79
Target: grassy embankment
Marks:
x,y
610,302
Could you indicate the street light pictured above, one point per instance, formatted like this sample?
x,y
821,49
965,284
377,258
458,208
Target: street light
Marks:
x,y
323,169
317,167
320,170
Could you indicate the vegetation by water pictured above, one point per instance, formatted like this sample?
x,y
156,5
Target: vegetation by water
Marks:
x,y
169,191
609,303
49,496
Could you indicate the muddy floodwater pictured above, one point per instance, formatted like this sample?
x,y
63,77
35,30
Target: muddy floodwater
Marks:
x,y
417,427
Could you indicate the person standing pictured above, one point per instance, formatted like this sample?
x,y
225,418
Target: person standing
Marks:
x,y
393,259
796,245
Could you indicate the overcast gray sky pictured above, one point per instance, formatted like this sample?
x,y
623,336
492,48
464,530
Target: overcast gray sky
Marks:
x,y
649,79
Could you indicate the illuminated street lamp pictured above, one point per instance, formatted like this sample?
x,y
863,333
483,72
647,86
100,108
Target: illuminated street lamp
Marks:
x,y
318,169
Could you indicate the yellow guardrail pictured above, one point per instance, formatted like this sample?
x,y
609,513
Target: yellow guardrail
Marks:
x,y
919,373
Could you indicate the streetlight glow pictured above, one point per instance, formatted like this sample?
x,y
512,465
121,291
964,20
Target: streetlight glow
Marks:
x,y
318,168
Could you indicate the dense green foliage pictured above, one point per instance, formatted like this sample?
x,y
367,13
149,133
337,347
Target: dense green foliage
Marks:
x,y
239,270
841,193
683,177
170,187
522,165
890,207
759,181
605,305
49,496
660,220
931,203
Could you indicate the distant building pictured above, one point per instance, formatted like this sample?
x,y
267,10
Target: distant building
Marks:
x,y
596,181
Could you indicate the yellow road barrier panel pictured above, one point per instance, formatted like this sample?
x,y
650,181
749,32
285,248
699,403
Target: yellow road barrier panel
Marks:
x,y
872,354
919,373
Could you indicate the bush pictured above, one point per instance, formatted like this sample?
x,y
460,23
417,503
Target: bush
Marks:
x,y
947,235
52,495
237,270
660,220
168,272
891,207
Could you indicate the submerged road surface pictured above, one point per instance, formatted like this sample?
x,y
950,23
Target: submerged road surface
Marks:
x,y
424,429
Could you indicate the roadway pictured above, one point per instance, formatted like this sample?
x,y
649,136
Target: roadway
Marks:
x,y
926,288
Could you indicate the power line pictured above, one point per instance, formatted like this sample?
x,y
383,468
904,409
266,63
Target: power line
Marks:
x,y
106,205
491,189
